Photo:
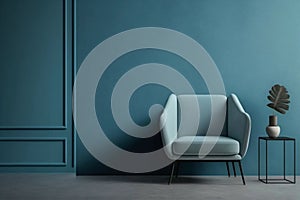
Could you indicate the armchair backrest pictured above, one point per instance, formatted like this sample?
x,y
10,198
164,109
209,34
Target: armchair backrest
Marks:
x,y
195,112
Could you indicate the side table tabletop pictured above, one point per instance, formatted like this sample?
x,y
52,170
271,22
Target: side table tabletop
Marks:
x,y
283,180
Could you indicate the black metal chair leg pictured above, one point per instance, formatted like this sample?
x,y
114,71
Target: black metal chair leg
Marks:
x,y
177,168
172,171
227,169
234,172
240,165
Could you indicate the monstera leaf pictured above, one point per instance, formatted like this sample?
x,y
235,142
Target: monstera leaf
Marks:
x,y
280,98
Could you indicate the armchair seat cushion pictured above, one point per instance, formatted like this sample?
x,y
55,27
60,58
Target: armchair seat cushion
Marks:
x,y
224,146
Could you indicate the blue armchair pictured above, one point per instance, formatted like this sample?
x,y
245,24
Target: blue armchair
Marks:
x,y
205,128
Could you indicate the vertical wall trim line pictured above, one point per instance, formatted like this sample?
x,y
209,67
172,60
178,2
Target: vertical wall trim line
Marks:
x,y
65,54
74,60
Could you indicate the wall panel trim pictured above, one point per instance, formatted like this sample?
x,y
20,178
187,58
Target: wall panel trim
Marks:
x,y
36,139
65,81
74,68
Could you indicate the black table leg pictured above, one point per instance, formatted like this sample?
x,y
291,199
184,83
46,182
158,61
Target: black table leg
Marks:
x,y
294,161
266,161
284,160
258,159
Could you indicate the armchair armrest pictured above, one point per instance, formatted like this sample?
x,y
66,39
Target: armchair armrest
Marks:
x,y
239,123
168,124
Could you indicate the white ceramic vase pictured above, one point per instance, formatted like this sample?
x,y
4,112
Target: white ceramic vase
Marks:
x,y
273,131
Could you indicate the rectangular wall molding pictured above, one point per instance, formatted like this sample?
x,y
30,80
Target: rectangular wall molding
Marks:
x,y
64,124
33,152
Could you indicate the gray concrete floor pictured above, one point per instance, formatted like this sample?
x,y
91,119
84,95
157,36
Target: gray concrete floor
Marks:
x,y
68,186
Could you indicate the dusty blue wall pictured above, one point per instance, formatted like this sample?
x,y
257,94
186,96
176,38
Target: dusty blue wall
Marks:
x,y
255,44
36,75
